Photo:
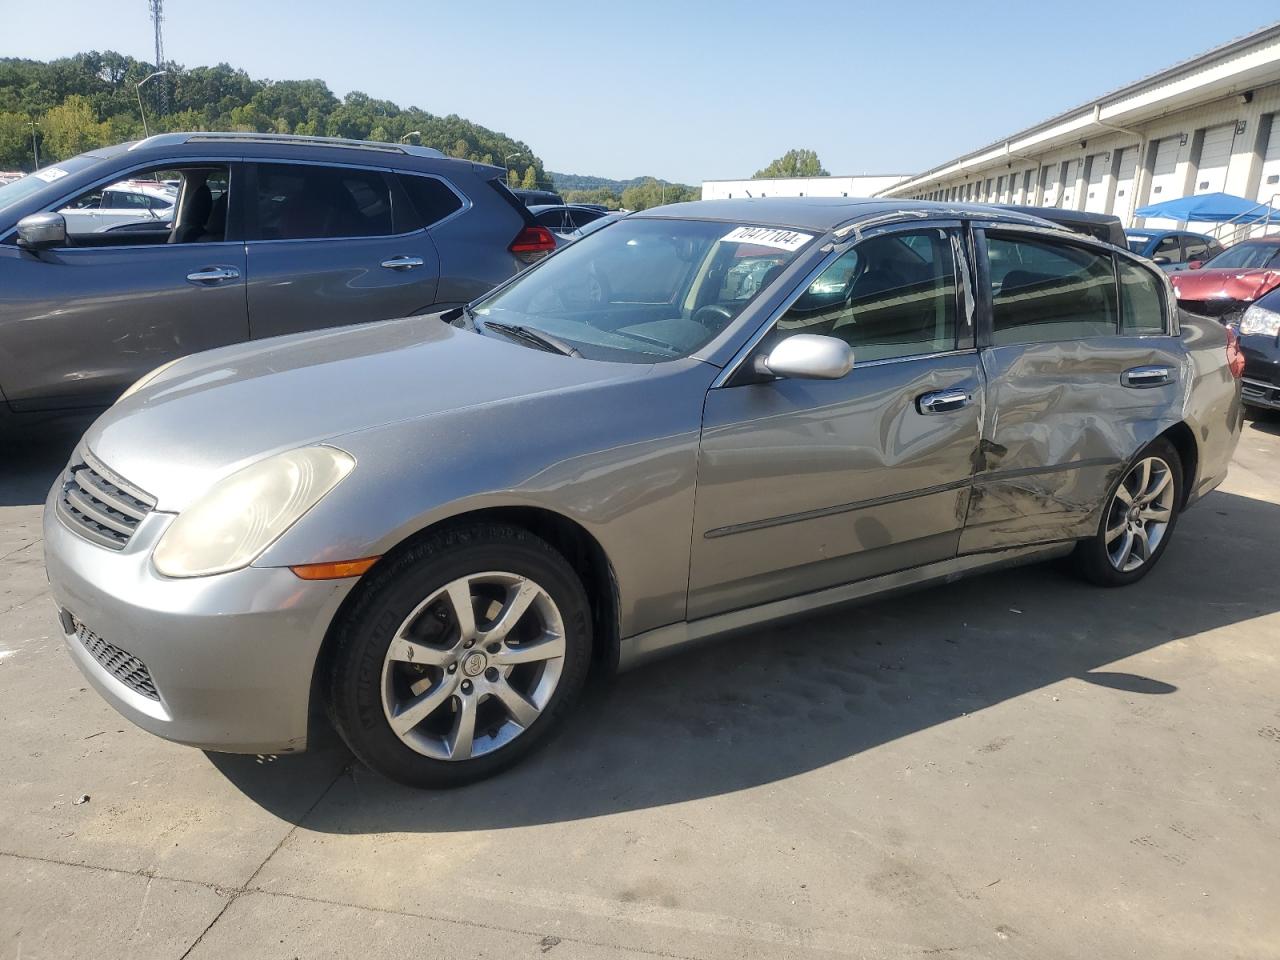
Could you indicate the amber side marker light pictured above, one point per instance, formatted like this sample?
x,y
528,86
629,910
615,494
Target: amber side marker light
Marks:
x,y
334,571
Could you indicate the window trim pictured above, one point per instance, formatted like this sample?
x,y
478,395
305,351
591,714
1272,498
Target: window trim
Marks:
x,y
741,360
250,213
124,174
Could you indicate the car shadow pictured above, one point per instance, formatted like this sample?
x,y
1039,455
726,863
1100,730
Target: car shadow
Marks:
x,y
33,456
774,703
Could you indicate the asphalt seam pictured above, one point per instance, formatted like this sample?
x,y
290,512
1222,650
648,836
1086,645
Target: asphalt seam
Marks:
x,y
25,546
237,892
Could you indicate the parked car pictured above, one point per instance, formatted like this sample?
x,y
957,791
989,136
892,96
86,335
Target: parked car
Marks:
x,y
1173,250
437,524
538,197
270,235
140,204
1259,331
564,220
1224,286
1101,226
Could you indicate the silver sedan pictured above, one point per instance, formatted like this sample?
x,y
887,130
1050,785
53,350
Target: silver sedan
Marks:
x,y
434,526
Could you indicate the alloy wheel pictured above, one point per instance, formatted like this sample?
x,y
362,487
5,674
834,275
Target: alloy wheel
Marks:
x,y
473,665
1139,515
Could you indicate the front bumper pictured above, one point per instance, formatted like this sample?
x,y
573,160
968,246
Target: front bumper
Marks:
x,y
222,662
1261,381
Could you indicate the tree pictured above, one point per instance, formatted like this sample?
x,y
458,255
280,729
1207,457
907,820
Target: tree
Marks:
x,y
794,163
653,193
71,128
530,181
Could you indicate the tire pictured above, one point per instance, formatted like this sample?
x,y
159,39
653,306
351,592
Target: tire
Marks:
x,y
402,654
1131,538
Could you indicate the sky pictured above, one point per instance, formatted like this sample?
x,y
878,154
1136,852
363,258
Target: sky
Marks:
x,y
685,91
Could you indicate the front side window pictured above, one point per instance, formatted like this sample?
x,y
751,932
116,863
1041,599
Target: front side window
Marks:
x,y
646,290
305,202
1196,249
1168,248
1247,256
1045,290
195,212
890,296
1142,299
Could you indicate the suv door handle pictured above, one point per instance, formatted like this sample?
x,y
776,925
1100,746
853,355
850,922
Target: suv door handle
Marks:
x,y
943,401
1139,377
214,274
402,263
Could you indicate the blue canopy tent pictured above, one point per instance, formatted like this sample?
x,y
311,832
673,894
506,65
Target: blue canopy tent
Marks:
x,y
1212,208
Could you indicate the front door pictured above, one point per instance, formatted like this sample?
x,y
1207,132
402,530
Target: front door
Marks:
x,y
806,484
328,247
79,323
1081,375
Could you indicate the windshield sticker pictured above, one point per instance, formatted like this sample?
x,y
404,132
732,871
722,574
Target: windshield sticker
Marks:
x,y
50,174
789,240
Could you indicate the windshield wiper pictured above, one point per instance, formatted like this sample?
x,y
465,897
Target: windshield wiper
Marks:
x,y
529,335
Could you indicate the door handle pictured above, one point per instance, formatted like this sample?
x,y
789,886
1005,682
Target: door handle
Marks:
x,y
211,275
1139,377
402,263
943,401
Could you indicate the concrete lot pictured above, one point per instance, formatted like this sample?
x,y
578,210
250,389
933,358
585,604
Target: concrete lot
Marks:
x,y
1014,766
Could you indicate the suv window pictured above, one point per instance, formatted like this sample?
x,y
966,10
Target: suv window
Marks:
x,y
431,198
1043,290
200,203
1168,247
305,202
890,296
1142,300
1197,249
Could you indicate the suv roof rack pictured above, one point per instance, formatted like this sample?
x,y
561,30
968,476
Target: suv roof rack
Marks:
x,y
171,139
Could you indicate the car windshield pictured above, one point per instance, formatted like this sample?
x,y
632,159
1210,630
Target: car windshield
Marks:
x,y
1247,256
1138,241
12,193
646,290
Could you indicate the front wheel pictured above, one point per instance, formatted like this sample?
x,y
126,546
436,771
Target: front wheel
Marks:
x,y
1138,520
460,656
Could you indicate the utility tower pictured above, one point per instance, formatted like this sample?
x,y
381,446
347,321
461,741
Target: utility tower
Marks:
x,y
157,21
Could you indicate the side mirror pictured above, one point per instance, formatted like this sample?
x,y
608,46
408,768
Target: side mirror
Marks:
x,y
807,356
1195,264
41,231
1162,261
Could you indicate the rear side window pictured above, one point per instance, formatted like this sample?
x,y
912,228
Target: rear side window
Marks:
x,y
1043,291
305,202
1141,300
430,197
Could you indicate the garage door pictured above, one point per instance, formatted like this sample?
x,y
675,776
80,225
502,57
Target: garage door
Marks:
x,y
1049,182
1127,169
1095,191
1269,186
1215,156
1164,177
1069,185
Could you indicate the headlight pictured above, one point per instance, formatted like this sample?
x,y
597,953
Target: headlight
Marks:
x,y
1260,322
147,378
230,526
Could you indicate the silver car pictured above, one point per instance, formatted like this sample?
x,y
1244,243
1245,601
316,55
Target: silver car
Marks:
x,y
434,526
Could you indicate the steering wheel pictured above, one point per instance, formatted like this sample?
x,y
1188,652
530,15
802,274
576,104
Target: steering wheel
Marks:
x,y
713,316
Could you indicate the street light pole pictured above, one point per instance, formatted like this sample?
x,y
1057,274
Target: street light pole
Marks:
x,y
137,88
411,133
507,163
35,149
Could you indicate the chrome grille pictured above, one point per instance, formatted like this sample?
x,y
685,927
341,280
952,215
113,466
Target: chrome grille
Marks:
x,y
100,506
121,664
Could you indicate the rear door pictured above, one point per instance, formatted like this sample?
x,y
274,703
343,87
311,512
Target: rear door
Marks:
x,y
806,484
1081,372
331,245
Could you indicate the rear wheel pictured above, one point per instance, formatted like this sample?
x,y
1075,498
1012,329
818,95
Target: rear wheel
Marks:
x,y
1138,520
460,656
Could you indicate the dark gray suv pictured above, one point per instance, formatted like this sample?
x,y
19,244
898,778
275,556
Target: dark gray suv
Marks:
x,y
269,235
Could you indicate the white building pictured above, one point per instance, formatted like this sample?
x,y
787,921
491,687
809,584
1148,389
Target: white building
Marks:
x,y
858,186
1211,124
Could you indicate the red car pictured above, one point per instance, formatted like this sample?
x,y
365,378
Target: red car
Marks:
x,y
1227,284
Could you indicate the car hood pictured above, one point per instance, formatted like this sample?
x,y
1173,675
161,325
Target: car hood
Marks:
x,y
215,412
1224,284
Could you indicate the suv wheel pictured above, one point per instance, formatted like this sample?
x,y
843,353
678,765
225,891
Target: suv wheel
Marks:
x,y
460,656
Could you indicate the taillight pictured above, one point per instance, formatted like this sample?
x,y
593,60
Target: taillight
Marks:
x,y
532,244
1235,356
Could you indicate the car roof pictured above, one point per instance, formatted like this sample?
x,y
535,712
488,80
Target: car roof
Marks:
x,y
543,207
827,213
1062,215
